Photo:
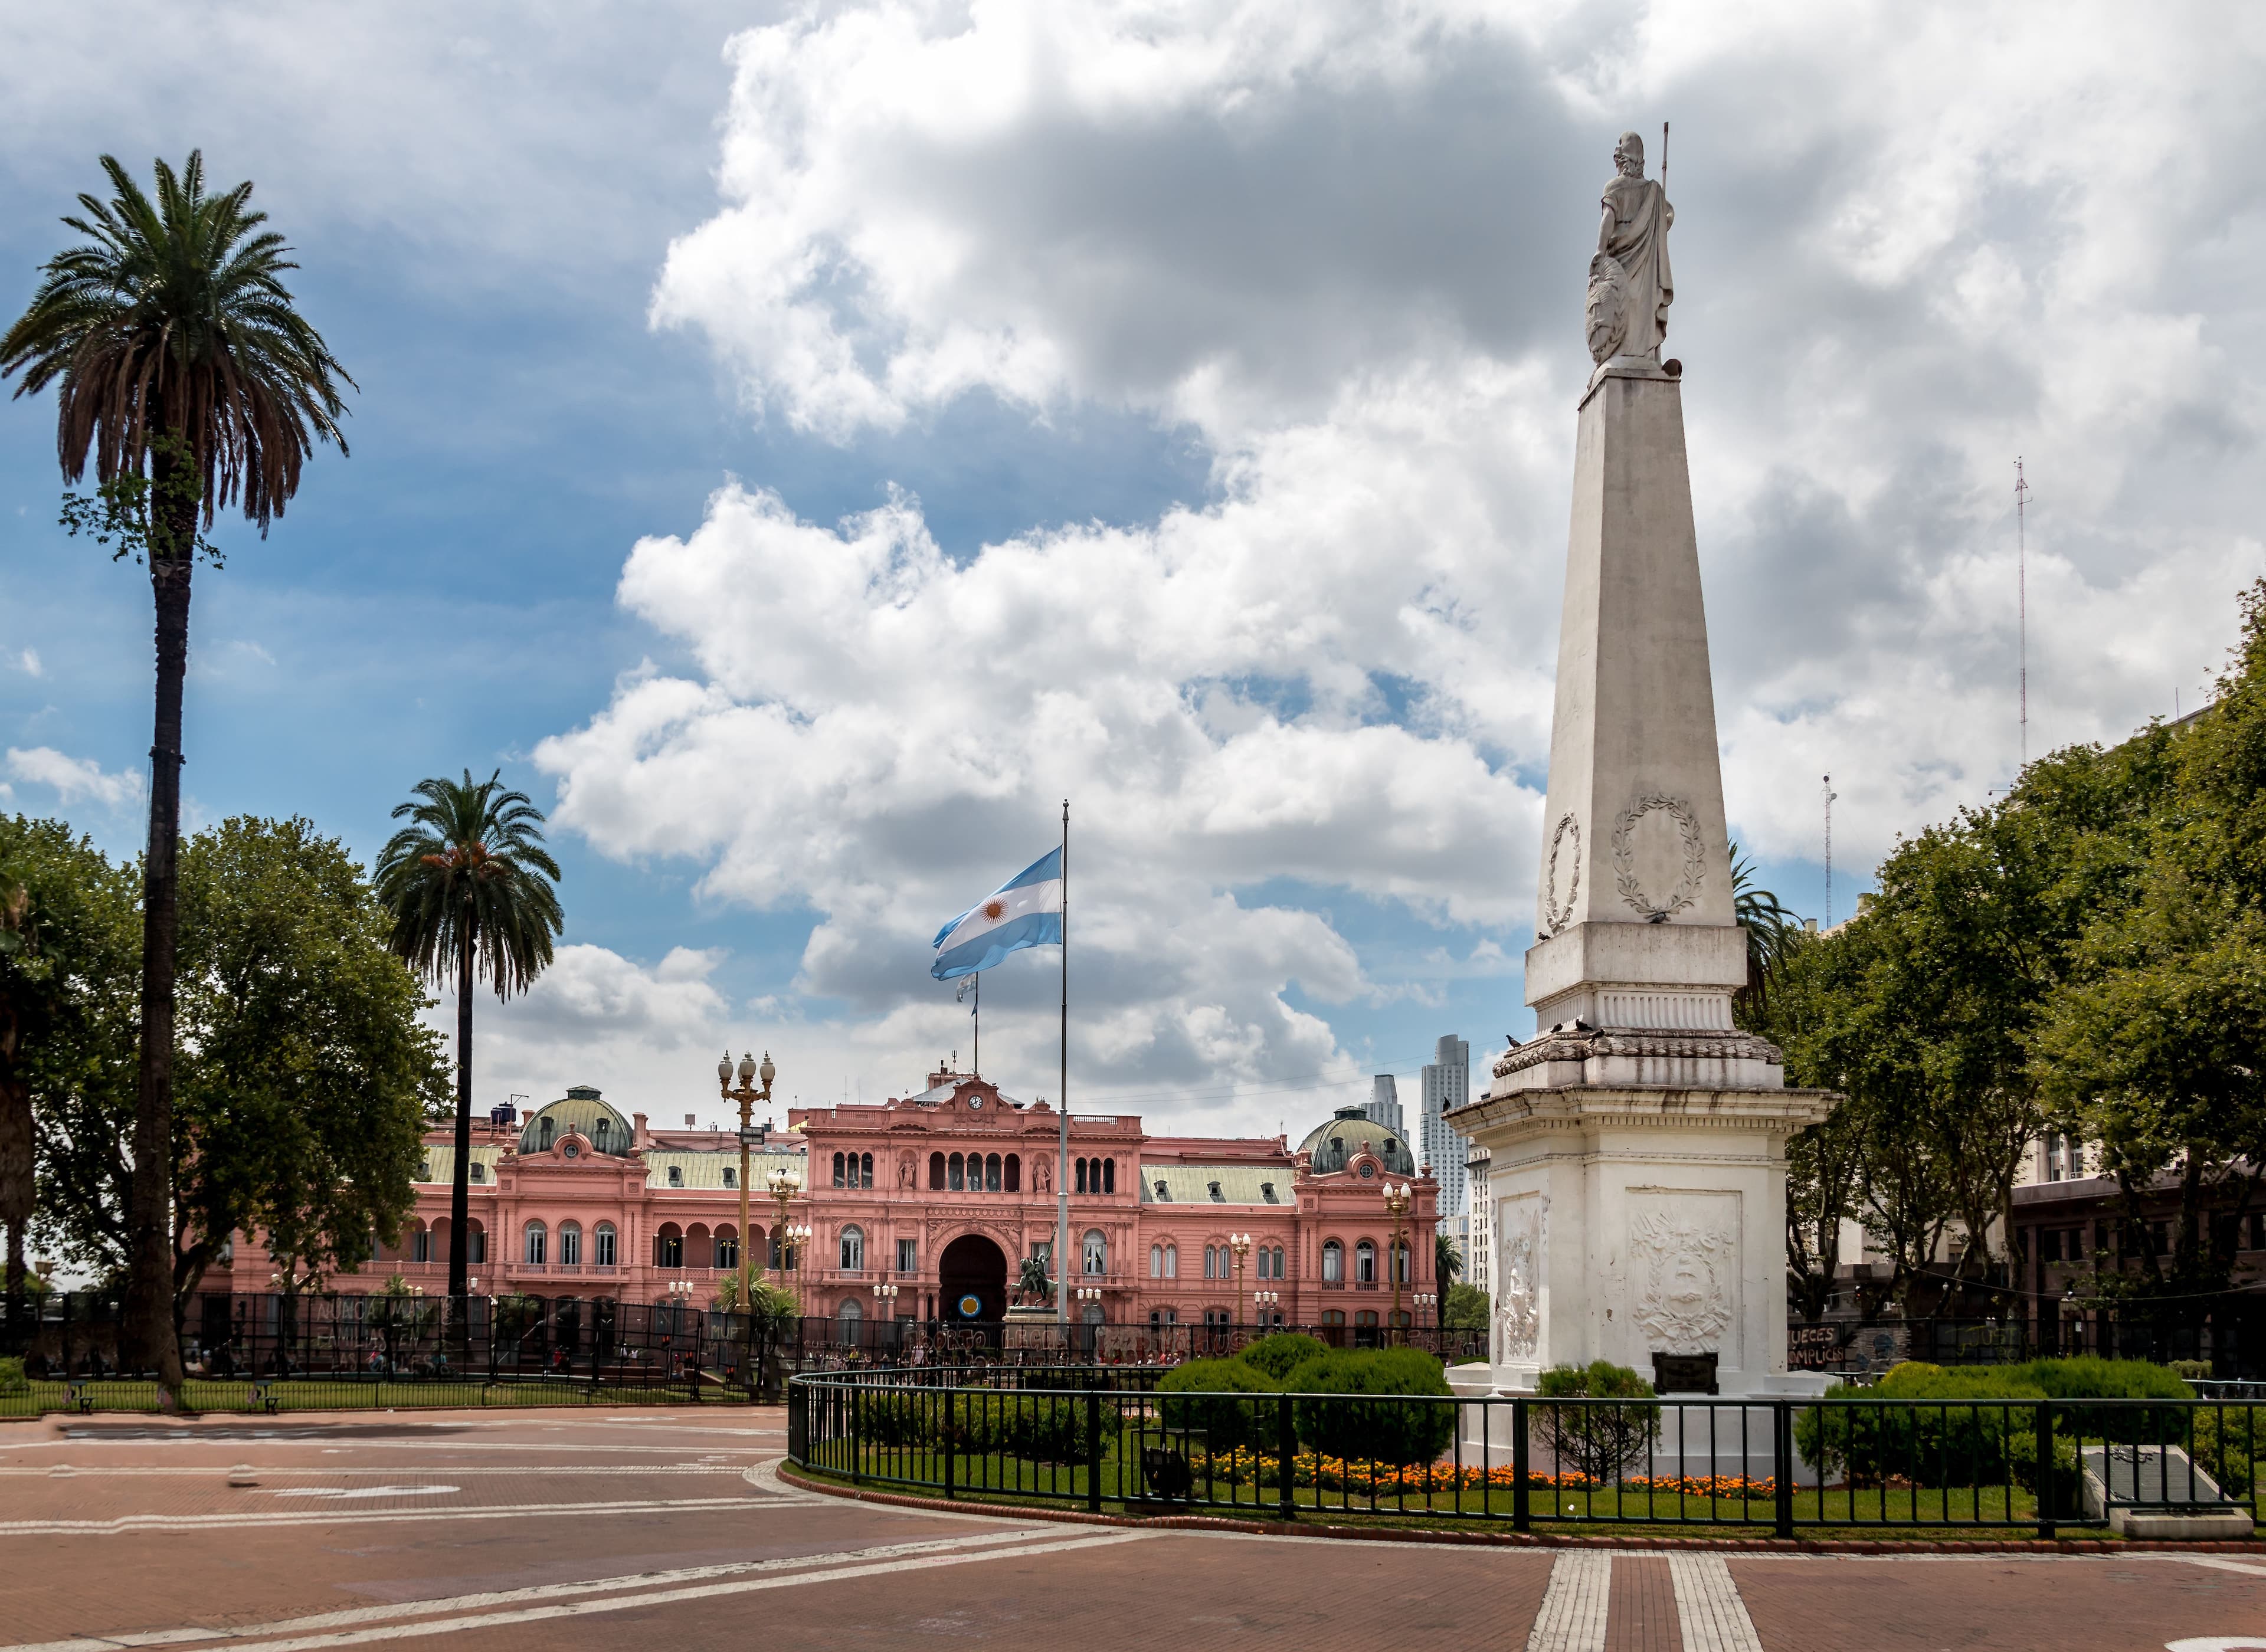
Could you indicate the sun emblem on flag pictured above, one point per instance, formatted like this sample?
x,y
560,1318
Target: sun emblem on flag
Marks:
x,y
995,910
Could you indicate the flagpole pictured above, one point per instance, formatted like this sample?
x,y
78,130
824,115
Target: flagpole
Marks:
x,y
978,1013
1062,1103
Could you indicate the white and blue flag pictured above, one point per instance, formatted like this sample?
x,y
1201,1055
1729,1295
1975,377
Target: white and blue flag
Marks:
x,y
1024,911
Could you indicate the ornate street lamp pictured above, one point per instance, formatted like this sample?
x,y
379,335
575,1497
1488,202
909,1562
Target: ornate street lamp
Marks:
x,y
746,1095
1396,1206
1240,1244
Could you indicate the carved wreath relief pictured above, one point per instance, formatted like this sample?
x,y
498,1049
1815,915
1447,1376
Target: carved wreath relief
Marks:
x,y
1565,849
1684,1268
1694,845
1522,1245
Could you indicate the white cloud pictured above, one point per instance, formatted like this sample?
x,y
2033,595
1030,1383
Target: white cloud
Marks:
x,y
74,779
28,662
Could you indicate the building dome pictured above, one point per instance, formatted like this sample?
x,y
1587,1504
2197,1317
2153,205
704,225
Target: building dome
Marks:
x,y
1334,1145
580,1113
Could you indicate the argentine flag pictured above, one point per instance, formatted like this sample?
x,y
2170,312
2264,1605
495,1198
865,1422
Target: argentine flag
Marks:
x,y
1024,911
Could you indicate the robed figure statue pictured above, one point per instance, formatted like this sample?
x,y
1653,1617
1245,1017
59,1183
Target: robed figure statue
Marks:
x,y
1630,286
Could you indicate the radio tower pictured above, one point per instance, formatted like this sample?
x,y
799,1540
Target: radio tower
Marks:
x,y
1828,850
2022,604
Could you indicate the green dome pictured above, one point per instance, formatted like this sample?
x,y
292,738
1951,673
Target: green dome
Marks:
x,y
582,1113
1334,1143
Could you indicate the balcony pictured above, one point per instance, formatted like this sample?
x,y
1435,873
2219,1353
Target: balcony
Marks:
x,y
1333,1284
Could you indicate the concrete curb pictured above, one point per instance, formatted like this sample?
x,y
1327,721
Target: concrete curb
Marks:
x,y
1515,1540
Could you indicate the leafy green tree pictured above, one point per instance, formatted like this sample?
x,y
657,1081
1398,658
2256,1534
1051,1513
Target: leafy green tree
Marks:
x,y
179,359
69,925
1466,1309
304,1080
469,886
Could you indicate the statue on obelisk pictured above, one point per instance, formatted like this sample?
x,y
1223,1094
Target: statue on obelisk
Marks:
x,y
1630,283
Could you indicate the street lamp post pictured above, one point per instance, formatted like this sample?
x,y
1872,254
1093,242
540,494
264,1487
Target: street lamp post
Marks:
x,y
746,1095
1396,1206
1265,1301
1240,1244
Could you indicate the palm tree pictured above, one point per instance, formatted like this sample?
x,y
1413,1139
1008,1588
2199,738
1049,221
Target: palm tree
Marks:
x,y
1772,931
469,888
180,361
1447,1265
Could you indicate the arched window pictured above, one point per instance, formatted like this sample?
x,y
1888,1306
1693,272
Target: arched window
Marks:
x,y
838,1170
598,1132
864,1170
1171,1261
420,1245
1333,1263
1015,1172
570,1244
668,1246
677,1175
936,1173
731,1175
956,1168
1081,1175
476,1243
1400,1262
1097,1251
727,1251
853,1248
602,1244
478,1172
1110,1176
1155,1261
1364,1263
1094,1314
536,1237
990,1172
1209,1273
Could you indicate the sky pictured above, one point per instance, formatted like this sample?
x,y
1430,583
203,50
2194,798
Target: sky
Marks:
x,y
801,447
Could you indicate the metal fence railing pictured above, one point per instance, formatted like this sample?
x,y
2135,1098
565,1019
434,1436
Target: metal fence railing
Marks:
x,y
1101,1436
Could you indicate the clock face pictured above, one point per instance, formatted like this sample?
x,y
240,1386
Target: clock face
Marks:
x,y
974,1102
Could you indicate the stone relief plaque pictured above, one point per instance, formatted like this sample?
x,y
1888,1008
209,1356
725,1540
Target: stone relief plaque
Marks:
x,y
1561,879
1684,1269
1660,857
1522,1248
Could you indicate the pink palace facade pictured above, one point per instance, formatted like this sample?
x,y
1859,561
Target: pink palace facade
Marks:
x,y
941,1194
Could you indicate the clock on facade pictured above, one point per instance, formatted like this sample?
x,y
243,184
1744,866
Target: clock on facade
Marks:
x,y
974,1102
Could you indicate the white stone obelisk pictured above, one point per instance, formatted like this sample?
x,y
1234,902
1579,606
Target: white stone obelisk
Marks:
x,y
1638,1165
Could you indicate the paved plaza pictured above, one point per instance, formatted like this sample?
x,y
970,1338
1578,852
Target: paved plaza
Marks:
x,y
598,1530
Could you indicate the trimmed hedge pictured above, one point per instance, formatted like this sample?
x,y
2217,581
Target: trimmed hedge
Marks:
x,y
1225,1422
1043,1427
1282,1353
1603,1442
1383,1433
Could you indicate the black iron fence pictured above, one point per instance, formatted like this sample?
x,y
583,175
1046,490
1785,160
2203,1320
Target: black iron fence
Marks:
x,y
1106,1436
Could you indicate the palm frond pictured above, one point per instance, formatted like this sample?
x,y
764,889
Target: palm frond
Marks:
x,y
470,870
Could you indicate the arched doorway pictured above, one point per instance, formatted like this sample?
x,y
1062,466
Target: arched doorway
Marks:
x,y
972,1279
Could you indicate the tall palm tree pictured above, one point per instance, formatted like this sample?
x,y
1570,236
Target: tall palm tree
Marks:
x,y
179,360
1772,931
1447,1267
468,884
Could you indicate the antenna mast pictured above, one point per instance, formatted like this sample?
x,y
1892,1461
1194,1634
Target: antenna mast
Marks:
x,y
1828,850
2022,602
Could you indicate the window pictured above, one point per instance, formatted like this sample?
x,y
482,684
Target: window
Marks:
x,y
570,1244
424,1170
727,1251
1214,1319
548,1125
957,1170
864,1170
1171,1261
1210,1267
1164,1316
1110,1176
936,1173
731,1175
1097,1252
1217,1197
535,1237
2053,1157
2050,1245
908,1256
1333,1316
1267,1192
853,1248
602,1244
599,1132
420,1245
677,1175
1155,1261
1015,1172
850,1310
476,1243
478,1172
1364,1263
992,1172
1333,1264
1081,1175
1400,1262
1164,1193
838,1170
1278,1263
1366,1318
1092,1314
670,1246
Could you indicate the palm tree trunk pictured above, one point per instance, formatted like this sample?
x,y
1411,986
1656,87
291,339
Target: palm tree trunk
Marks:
x,y
460,1198
150,1342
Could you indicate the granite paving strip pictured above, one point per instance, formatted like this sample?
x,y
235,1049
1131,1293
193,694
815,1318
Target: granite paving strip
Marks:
x,y
1573,1612
1708,1607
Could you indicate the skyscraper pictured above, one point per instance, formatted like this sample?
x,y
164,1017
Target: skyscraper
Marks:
x,y
1384,1105
1447,1084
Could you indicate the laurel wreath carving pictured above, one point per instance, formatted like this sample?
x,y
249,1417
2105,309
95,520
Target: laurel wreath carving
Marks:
x,y
1695,857
1554,916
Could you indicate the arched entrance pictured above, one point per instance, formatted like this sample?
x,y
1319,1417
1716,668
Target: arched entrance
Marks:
x,y
972,1279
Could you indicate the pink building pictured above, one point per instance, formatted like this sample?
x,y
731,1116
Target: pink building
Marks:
x,y
941,1194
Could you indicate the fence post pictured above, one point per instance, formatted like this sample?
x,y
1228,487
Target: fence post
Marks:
x,y
1782,1463
1093,1448
2045,1447
1521,1464
1286,1453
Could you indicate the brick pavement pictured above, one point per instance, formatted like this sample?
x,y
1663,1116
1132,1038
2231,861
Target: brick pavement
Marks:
x,y
581,1529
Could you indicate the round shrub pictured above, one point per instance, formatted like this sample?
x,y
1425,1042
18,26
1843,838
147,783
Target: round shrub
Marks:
x,y
1603,1442
1383,1429
1282,1353
1212,1410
